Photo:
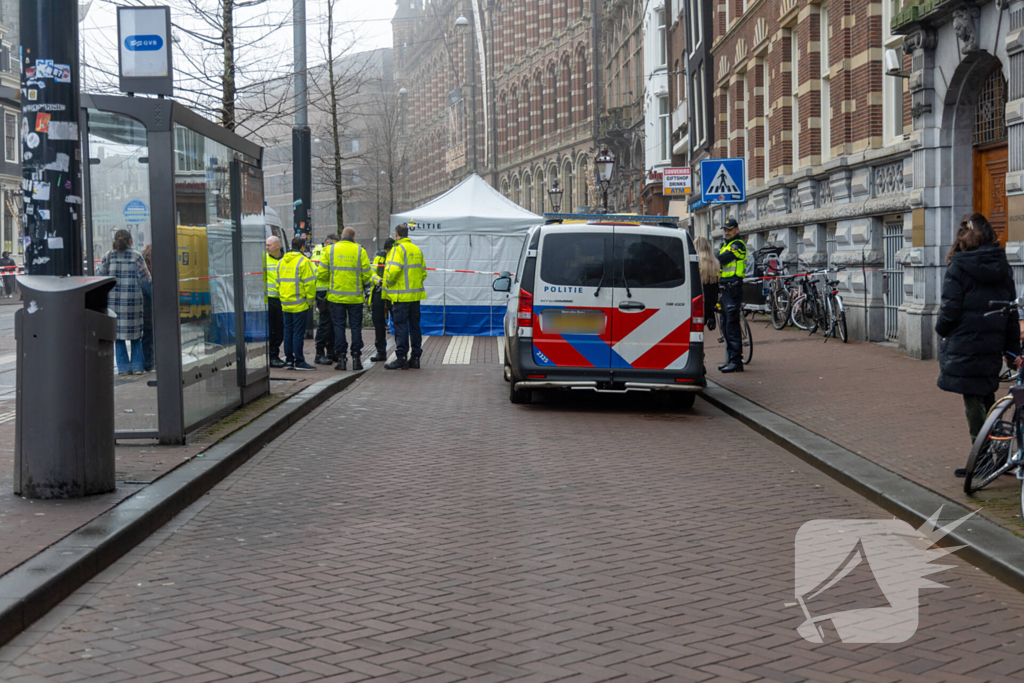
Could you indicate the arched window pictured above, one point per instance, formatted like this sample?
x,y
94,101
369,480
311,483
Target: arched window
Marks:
x,y
540,105
565,98
540,197
502,124
515,189
582,83
513,122
567,182
550,105
990,117
527,202
582,180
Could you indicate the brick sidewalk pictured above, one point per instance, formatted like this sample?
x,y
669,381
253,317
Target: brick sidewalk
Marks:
x,y
446,535
873,400
29,526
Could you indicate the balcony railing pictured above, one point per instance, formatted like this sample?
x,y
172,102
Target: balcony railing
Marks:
x,y
906,12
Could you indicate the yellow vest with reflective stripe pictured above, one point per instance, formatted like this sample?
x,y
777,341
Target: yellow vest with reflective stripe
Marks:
x,y
345,266
378,272
405,272
270,265
317,257
737,268
296,282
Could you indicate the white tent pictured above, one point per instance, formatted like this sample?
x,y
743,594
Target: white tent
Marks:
x,y
469,227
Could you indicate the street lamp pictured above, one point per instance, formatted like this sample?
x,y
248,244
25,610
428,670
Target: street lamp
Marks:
x,y
462,22
555,193
605,163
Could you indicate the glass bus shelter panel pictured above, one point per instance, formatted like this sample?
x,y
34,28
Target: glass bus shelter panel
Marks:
x,y
120,201
254,237
206,236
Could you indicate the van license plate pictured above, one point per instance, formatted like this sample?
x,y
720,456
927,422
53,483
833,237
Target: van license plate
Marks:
x,y
572,321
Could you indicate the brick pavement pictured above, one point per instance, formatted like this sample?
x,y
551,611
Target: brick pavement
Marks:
x,y
27,526
454,537
873,400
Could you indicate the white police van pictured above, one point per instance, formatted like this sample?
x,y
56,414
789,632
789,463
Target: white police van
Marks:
x,y
607,304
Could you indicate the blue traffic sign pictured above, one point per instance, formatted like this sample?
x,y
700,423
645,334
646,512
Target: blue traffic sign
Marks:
x,y
723,181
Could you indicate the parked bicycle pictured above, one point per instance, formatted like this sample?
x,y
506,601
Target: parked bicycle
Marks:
x,y
748,339
999,448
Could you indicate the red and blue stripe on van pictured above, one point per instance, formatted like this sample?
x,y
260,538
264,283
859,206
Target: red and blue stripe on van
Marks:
x,y
625,350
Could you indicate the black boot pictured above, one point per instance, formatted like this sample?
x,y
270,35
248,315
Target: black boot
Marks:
x,y
322,359
357,364
377,357
397,364
276,363
342,364
732,367
414,363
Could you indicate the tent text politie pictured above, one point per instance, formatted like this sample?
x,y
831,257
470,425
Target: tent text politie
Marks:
x,y
471,227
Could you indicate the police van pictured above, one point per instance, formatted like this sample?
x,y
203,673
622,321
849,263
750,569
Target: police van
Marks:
x,y
606,304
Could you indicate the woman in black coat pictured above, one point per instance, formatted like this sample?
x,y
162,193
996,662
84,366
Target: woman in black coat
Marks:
x,y
973,345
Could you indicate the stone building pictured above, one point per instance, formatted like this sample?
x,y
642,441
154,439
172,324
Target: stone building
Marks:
x,y
801,91
966,77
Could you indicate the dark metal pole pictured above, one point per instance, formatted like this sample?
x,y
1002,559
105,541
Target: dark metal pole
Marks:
x,y
302,185
50,148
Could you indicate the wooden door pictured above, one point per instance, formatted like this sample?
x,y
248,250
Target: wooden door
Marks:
x,y
990,168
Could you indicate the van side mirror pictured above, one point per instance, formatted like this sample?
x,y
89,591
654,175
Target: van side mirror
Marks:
x,y
502,284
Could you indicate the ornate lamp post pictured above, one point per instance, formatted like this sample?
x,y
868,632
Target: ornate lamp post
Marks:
x,y
555,194
605,164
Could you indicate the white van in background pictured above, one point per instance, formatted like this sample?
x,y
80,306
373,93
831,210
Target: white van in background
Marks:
x,y
610,304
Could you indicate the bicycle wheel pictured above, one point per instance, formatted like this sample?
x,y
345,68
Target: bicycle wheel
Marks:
x,y
748,340
840,326
780,308
799,313
989,457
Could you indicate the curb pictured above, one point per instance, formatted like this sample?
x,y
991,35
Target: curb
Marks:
x,y
987,545
36,586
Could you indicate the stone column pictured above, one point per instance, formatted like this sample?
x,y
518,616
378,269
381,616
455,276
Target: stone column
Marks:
x,y
1015,127
926,176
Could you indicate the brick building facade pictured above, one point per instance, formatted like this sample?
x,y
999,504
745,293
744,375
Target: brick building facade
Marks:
x,y
800,91
510,95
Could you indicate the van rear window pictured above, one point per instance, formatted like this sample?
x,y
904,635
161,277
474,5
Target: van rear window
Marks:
x,y
574,259
649,261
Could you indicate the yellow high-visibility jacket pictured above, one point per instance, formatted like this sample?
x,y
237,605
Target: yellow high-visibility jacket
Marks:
x,y
296,282
270,265
345,266
405,272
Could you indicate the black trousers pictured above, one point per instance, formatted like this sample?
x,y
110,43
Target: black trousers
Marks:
x,y
275,316
378,314
731,298
406,316
350,316
325,326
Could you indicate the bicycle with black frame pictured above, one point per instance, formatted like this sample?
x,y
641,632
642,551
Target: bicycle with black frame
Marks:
x,y
999,447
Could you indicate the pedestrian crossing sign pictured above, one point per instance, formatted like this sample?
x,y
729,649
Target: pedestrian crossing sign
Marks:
x,y
723,181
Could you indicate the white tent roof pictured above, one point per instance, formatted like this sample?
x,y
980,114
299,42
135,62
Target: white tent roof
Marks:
x,y
471,207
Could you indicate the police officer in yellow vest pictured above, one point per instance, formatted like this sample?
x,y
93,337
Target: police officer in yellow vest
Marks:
x,y
296,285
404,275
733,259
379,305
324,326
275,317
346,268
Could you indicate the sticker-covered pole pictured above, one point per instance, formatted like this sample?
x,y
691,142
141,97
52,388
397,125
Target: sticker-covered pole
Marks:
x,y
50,148
302,182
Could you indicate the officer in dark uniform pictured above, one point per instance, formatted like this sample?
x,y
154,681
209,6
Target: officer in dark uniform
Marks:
x,y
733,259
379,305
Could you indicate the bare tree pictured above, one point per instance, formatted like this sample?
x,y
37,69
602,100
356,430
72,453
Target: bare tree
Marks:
x,y
337,85
388,150
226,61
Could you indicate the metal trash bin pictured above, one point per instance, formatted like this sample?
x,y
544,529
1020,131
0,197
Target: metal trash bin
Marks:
x,y
64,429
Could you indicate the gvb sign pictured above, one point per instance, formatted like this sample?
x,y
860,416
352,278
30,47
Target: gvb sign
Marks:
x,y
723,181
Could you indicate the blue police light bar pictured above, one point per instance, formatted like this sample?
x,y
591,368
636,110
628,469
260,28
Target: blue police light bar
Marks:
x,y
664,221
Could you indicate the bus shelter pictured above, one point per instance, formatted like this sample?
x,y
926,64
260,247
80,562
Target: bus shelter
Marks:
x,y
191,194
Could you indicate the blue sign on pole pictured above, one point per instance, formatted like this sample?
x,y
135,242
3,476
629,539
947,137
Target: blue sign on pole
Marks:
x,y
723,181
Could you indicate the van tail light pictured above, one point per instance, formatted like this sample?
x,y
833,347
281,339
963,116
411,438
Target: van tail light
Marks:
x,y
697,314
524,313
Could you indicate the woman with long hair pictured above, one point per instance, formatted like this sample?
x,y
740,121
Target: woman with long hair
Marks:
x,y
133,284
973,344
709,272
